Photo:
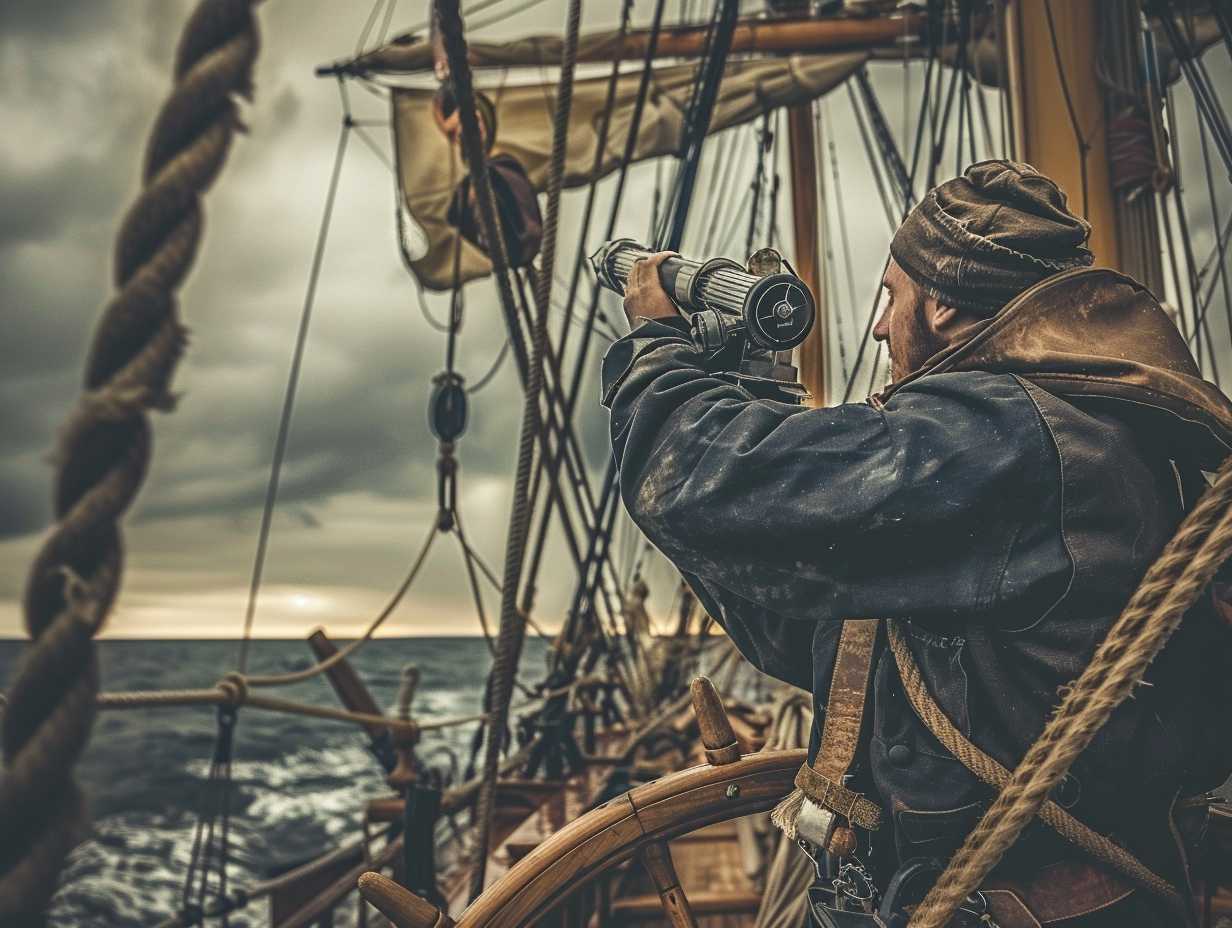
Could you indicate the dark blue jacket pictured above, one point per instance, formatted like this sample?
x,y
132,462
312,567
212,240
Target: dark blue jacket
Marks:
x,y
1004,525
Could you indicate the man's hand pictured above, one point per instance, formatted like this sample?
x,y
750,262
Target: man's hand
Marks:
x,y
644,294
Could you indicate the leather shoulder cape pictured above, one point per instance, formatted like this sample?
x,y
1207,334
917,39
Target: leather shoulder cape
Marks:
x,y
1099,338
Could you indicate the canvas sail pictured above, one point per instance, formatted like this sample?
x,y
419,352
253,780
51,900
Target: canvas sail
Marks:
x,y
429,168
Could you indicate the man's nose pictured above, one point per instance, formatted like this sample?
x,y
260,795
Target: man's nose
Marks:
x,y
881,331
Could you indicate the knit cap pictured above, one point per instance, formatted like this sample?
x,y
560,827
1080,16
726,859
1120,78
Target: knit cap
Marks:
x,y
977,241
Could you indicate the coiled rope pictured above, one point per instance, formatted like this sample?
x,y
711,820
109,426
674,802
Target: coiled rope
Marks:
x,y
104,450
1171,586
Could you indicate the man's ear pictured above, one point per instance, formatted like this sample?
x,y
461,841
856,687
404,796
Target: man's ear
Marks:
x,y
944,320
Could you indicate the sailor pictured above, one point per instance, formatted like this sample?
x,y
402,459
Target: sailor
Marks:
x,y
998,503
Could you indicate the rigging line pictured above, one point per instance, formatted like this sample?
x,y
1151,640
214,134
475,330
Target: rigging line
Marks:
x,y
760,181
564,434
697,120
1199,83
477,595
1215,222
1083,147
1201,310
874,158
372,145
922,120
492,370
966,94
579,361
934,104
731,210
471,10
1002,81
389,15
868,328
1174,262
1216,252
842,227
296,676
977,88
723,202
288,402
732,224
588,209
688,152
878,129
512,625
494,581
366,31
635,122
1200,326
716,168
905,132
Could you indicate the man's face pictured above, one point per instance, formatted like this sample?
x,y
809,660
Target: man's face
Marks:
x,y
904,323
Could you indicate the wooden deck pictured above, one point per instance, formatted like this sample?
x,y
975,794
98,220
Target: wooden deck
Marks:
x,y
709,864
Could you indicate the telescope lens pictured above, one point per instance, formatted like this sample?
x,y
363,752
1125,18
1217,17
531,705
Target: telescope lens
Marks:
x,y
779,312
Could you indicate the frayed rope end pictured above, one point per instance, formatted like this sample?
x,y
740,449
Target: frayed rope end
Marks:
x,y
787,813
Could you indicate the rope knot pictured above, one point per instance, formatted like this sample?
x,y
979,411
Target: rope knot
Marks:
x,y
234,687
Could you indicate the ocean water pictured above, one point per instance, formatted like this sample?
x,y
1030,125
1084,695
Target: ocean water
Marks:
x,y
299,783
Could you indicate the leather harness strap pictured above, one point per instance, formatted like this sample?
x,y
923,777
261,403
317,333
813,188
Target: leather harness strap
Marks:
x,y
822,782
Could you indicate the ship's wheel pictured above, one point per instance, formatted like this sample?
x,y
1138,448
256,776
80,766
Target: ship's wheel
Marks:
x,y
639,823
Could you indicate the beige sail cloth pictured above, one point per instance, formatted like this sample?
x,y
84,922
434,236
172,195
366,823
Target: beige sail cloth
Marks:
x,y
429,169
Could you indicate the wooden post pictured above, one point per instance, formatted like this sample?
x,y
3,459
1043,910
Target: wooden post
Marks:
x,y
802,148
718,739
1042,76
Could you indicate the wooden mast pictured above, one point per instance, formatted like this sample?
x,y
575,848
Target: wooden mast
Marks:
x,y
1060,118
802,148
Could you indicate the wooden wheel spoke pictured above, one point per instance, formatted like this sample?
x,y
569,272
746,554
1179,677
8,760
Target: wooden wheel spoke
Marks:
x,y
657,859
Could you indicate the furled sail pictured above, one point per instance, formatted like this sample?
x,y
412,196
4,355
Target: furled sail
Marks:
x,y
430,168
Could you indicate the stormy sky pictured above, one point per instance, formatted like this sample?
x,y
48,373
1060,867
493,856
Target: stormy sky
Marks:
x,y
80,83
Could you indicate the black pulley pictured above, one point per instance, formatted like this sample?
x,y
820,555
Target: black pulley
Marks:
x,y
447,409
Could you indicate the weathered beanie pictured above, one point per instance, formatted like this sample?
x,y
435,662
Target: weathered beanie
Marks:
x,y
977,241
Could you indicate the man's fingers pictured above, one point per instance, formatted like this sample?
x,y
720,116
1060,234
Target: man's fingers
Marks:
x,y
659,257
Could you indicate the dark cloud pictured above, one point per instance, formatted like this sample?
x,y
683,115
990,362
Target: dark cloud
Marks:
x,y
62,21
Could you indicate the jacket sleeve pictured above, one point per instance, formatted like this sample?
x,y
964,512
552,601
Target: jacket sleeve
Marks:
x,y
911,511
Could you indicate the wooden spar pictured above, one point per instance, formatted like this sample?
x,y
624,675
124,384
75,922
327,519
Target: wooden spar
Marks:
x,y
780,37
353,695
802,149
1045,134
347,685
787,37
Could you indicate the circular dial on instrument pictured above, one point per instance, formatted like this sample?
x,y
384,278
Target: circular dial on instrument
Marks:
x,y
779,312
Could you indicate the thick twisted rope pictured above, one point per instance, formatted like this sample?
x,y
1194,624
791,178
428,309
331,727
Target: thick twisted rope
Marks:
x,y
512,624
992,772
1171,586
103,453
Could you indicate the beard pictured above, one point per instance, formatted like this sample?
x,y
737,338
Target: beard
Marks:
x,y
914,345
